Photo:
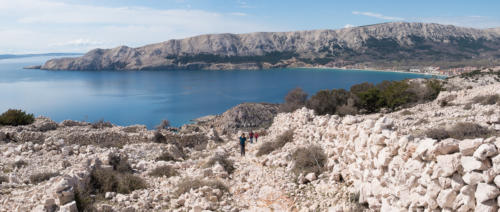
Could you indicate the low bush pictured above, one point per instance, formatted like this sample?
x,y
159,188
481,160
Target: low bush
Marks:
x,y
468,106
167,171
40,177
294,100
462,130
101,124
158,137
192,183
14,117
406,113
105,180
119,163
20,163
308,159
487,99
280,141
3,179
165,156
164,124
223,160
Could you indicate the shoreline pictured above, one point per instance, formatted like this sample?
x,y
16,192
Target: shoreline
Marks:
x,y
375,70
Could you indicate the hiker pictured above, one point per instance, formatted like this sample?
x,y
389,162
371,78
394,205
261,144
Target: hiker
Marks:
x,y
256,136
251,137
242,144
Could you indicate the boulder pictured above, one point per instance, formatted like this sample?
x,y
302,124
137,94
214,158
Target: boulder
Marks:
x,y
311,177
446,198
488,206
468,146
484,151
470,164
70,207
472,178
485,192
448,164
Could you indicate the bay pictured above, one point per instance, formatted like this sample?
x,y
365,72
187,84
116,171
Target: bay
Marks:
x,y
147,97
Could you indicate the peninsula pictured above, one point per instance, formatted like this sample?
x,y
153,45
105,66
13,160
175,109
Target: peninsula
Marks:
x,y
389,46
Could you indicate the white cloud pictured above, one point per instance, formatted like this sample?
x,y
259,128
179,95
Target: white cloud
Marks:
x,y
238,14
52,25
378,15
243,4
348,26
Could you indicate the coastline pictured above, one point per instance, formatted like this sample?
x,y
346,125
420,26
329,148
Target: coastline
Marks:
x,y
375,70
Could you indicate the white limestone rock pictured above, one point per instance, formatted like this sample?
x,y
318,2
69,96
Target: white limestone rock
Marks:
x,y
468,146
485,192
484,151
470,164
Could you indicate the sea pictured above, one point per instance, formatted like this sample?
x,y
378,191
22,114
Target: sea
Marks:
x,y
147,97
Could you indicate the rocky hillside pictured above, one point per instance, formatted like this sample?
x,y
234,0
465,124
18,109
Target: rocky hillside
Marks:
x,y
383,45
441,155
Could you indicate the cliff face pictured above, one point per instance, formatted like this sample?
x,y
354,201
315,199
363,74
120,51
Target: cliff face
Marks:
x,y
377,45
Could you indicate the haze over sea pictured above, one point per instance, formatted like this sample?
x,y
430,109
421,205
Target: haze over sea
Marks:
x,y
147,97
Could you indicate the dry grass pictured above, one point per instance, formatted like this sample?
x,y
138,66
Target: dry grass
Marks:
x,y
103,181
163,171
487,99
165,156
462,130
269,147
406,113
101,124
40,177
192,183
223,160
308,159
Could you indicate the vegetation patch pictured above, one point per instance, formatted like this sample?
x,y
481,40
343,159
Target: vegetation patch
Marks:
x,y
366,97
270,57
163,171
20,164
188,184
308,159
101,124
462,130
40,177
14,117
295,99
487,99
3,179
165,156
223,160
280,141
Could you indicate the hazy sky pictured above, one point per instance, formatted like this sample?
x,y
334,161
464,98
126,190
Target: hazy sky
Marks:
x,y
36,26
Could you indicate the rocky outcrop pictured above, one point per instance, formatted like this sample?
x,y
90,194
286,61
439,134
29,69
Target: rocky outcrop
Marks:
x,y
381,45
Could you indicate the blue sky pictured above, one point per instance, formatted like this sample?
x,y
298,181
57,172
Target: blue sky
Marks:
x,y
35,26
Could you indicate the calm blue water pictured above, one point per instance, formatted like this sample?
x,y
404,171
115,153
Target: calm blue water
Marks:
x,y
147,97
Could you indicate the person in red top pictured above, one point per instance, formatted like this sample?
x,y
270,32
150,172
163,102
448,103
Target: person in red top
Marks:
x,y
256,136
251,137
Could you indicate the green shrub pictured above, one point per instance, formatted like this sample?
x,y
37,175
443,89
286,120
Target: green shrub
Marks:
x,y
308,159
192,183
295,99
487,99
322,103
280,141
14,117
40,177
223,160
161,171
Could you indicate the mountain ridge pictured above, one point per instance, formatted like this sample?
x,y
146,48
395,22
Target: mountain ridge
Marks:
x,y
379,45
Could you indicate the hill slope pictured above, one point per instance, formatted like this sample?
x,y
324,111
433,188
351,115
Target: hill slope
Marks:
x,y
381,45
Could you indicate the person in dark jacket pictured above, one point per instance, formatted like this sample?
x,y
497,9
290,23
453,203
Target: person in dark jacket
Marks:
x,y
242,144
251,137
256,136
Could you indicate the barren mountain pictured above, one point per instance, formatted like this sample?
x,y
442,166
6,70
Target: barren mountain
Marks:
x,y
381,45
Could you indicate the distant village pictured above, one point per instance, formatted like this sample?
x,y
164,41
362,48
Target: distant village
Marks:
x,y
432,70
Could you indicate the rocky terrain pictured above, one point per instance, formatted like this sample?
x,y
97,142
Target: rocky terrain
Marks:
x,y
388,45
376,162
